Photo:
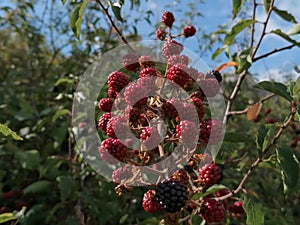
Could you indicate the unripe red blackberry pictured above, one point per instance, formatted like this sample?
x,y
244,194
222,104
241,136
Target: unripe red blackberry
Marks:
x,y
237,208
146,61
178,74
150,137
189,31
199,107
178,59
210,174
167,18
189,112
102,123
212,211
117,81
210,87
160,34
112,93
149,203
131,62
114,147
222,192
105,104
133,95
214,74
116,123
121,173
169,108
170,48
211,130
187,131
171,195
148,72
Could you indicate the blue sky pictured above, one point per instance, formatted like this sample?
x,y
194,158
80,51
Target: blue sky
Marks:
x,y
219,12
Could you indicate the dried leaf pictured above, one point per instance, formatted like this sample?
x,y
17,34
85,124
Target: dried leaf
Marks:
x,y
225,65
254,111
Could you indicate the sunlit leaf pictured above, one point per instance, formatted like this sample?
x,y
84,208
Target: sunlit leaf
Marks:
x,y
285,15
236,7
267,4
76,18
236,29
285,36
294,30
6,131
64,1
276,88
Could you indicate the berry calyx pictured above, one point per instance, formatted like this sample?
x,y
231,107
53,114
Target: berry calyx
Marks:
x,y
212,211
167,18
149,203
210,174
105,104
171,195
189,31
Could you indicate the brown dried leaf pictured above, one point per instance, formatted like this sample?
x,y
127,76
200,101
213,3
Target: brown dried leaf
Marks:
x,y
225,65
254,111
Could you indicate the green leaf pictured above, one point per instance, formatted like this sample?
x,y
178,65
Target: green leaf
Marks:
x,y
209,191
64,80
245,60
40,186
294,30
5,217
285,15
236,29
285,36
63,1
65,185
218,52
116,8
289,168
236,7
262,138
276,88
253,210
60,113
123,219
296,89
266,4
29,159
237,137
76,18
6,131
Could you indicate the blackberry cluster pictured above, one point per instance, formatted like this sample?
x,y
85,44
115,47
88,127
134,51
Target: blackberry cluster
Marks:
x,y
135,92
171,195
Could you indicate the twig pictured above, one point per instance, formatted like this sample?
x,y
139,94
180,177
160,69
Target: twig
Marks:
x,y
260,159
273,52
246,110
105,10
253,25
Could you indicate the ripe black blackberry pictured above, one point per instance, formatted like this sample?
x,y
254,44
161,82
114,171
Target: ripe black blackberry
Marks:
x,y
212,211
167,18
171,195
214,74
